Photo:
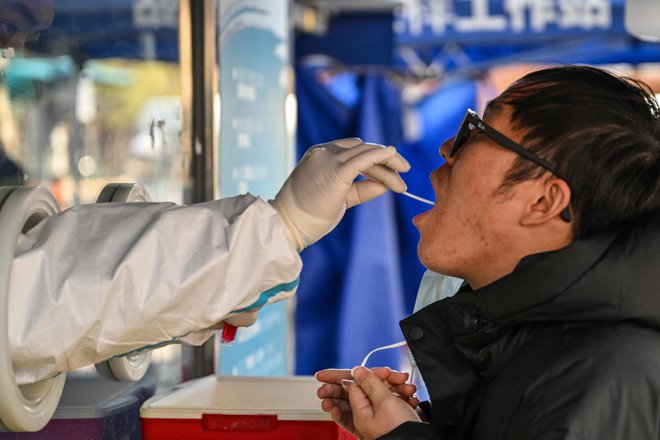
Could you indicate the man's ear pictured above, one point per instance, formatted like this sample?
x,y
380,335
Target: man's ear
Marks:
x,y
550,202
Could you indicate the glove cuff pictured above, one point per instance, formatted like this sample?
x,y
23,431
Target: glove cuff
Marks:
x,y
290,230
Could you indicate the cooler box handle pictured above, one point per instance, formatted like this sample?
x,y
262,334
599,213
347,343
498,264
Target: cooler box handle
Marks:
x,y
239,422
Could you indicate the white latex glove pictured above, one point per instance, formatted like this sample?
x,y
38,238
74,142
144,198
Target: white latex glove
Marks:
x,y
322,186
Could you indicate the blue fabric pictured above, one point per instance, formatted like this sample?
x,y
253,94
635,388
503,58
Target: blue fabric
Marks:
x,y
361,279
372,301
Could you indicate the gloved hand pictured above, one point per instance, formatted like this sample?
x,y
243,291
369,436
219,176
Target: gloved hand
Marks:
x,y
321,187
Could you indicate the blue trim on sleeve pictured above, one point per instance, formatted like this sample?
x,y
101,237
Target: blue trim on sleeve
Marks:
x,y
263,299
268,294
147,347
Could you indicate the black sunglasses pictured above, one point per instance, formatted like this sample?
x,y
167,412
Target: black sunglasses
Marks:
x,y
472,121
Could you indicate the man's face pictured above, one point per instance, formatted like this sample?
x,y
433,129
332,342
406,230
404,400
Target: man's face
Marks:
x,y
473,221
22,21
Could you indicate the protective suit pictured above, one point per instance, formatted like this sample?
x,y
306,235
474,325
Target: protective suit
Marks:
x,y
102,280
167,272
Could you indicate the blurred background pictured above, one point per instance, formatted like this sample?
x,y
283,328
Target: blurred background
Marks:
x,y
209,98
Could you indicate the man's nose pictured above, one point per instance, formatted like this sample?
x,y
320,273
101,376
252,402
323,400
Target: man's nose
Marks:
x,y
444,151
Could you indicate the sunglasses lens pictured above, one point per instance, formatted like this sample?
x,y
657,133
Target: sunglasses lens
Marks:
x,y
461,137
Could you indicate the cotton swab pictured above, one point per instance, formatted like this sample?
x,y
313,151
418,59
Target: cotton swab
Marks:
x,y
418,198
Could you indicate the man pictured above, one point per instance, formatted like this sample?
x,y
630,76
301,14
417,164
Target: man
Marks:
x,y
549,209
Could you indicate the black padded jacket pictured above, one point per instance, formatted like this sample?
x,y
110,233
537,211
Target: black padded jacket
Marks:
x,y
565,347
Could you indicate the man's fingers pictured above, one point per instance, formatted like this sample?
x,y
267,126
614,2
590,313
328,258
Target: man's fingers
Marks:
x,y
340,411
332,391
404,390
333,375
328,404
394,380
372,386
345,420
382,372
413,401
398,377
361,406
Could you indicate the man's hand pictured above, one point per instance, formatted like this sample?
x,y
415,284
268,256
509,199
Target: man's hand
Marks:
x,y
375,410
335,398
322,186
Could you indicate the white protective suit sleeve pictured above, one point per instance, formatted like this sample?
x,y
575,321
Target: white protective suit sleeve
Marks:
x,y
80,294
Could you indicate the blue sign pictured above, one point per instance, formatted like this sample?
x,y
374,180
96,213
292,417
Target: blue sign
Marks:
x,y
459,35
497,21
255,152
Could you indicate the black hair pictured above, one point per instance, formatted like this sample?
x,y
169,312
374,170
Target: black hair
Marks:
x,y
601,132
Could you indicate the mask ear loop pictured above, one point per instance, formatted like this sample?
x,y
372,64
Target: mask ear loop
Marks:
x,y
413,365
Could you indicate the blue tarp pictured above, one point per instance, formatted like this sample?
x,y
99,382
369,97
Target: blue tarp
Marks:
x,y
468,34
361,279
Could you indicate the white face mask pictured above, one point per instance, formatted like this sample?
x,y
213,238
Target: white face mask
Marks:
x,y
434,287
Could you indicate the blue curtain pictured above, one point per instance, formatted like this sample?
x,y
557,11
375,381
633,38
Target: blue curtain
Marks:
x,y
362,278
